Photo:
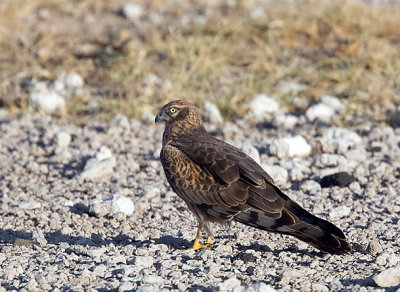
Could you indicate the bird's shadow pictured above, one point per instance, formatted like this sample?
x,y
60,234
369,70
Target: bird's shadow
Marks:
x,y
21,237
9,236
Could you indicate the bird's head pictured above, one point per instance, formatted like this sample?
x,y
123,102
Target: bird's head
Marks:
x,y
180,117
179,111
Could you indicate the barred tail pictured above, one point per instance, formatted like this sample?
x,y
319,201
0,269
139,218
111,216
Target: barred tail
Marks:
x,y
294,220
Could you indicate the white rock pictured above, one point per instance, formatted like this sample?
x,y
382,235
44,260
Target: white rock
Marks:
x,y
257,13
321,112
287,121
49,102
339,212
62,139
393,259
333,102
99,270
58,86
290,147
388,278
261,107
96,168
153,280
339,140
319,287
288,275
3,113
310,186
68,203
132,11
374,247
147,289
103,153
144,261
74,80
229,284
211,113
251,151
112,205
278,174
100,165
39,237
256,287
30,205
355,187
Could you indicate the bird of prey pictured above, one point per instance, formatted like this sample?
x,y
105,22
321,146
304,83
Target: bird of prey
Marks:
x,y
219,183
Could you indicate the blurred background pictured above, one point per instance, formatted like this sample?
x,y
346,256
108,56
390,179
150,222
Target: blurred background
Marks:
x,y
84,59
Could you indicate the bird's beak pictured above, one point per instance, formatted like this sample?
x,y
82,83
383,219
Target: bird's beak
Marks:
x,y
159,118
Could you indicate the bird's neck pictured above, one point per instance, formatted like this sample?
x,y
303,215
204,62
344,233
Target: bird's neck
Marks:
x,y
182,130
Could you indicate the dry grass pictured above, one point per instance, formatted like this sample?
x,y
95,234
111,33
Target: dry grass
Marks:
x,y
342,48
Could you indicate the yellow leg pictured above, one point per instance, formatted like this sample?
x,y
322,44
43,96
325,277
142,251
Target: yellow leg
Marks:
x,y
197,245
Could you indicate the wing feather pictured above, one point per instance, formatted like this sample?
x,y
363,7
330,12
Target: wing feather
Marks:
x,y
227,177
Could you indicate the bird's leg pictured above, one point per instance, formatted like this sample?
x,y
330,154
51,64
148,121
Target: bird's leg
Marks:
x,y
197,245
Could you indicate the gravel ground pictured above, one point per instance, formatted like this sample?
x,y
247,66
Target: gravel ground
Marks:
x,y
52,175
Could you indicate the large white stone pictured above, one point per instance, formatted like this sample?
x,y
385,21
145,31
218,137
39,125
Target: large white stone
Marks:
x,y
290,147
49,102
100,165
321,112
29,205
112,205
103,153
74,80
261,107
132,11
388,278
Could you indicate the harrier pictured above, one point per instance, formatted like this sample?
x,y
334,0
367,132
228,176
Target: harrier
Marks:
x,y
219,183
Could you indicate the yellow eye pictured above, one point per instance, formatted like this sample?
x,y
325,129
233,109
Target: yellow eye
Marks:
x,y
172,110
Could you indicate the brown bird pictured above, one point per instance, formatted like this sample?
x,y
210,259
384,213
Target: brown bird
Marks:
x,y
219,183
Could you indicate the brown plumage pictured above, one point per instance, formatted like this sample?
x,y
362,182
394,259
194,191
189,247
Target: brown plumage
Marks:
x,y
219,183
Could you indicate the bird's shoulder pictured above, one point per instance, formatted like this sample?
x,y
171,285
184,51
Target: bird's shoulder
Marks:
x,y
223,161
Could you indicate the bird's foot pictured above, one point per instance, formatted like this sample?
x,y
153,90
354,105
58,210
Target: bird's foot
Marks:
x,y
197,245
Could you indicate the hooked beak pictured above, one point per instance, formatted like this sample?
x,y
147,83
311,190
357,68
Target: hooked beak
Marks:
x,y
159,118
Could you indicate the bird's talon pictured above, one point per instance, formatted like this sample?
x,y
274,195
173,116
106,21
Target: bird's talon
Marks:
x,y
198,246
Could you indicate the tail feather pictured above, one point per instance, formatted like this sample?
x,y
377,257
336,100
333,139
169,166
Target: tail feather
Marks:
x,y
296,221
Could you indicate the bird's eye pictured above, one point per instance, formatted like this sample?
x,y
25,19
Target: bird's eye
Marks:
x,y
172,110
